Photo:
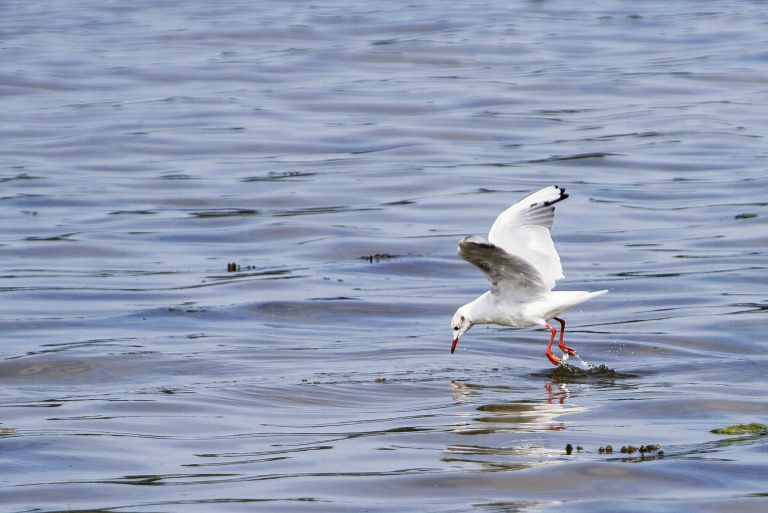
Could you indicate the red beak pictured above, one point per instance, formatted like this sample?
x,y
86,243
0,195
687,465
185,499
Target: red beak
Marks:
x,y
454,344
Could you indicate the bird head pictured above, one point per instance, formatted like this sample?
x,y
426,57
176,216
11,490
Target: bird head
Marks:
x,y
459,324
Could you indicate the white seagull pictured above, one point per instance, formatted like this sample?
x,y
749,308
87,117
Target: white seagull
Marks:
x,y
521,263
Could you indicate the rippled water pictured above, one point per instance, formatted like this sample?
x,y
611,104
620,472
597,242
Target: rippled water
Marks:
x,y
336,153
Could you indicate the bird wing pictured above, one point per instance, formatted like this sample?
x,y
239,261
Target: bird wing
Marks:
x,y
505,272
522,230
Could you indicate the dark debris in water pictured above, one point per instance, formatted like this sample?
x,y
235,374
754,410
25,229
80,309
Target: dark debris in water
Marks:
x,y
234,267
631,449
565,372
377,257
644,449
745,434
187,309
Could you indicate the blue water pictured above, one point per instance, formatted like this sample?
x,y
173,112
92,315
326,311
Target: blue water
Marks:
x,y
336,153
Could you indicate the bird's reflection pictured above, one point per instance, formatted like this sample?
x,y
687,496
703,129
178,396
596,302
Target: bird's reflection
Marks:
x,y
504,433
523,415
502,427
557,392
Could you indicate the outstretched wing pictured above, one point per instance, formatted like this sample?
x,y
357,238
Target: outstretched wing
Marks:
x,y
522,230
504,271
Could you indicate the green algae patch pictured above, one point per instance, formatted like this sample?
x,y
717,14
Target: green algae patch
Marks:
x,y
755,428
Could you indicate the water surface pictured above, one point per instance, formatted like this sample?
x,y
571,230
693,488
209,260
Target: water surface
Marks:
x,y
336,153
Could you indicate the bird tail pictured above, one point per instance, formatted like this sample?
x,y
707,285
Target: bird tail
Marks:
x,y
596,293
569,298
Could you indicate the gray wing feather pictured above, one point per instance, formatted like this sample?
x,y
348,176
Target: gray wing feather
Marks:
x,y
503,270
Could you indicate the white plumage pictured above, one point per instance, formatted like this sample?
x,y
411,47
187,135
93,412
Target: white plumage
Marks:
x,y
523,230
522,265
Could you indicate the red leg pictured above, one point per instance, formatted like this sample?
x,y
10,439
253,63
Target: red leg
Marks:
x,y
568,350
552,358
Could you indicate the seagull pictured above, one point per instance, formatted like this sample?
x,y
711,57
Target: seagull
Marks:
x,y
521,263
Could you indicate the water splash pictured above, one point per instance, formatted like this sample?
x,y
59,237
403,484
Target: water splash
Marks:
x,y
587,366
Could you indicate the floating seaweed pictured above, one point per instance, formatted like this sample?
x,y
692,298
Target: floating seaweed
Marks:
x,y
754,428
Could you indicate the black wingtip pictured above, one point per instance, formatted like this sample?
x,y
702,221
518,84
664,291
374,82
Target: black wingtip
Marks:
x,y
563,195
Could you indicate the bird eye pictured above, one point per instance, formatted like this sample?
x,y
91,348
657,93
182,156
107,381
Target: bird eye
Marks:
x,y
456,328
